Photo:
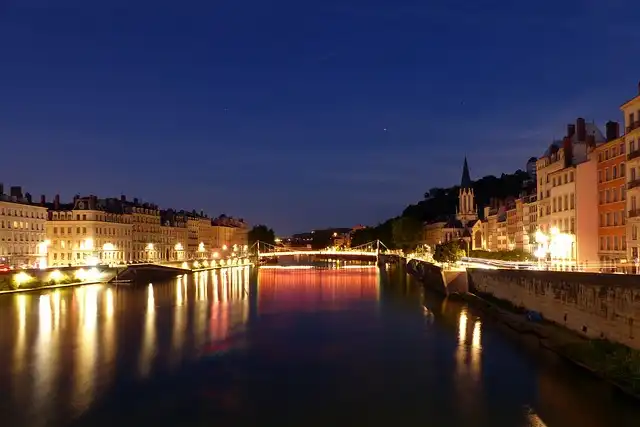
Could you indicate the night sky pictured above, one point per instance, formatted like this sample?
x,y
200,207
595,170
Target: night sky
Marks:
x,y
298,113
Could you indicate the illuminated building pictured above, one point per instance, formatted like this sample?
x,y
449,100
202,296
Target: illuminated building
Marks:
x,y
529,221
147,233
464,226
22,229
631,111
89,231
174,235
228,231
566,200
612,246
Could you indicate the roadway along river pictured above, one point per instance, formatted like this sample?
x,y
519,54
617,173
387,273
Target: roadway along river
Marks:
x,y
313,347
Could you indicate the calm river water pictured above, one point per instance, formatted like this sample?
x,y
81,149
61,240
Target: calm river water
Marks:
x,y
352,346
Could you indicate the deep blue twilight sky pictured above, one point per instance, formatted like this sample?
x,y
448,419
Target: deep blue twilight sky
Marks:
x,y
298,113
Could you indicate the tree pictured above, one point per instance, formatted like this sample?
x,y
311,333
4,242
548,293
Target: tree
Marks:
x,y
407,232
261,233
448,252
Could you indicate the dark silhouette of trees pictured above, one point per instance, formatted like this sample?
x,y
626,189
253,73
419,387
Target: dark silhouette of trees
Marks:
x,y
261,233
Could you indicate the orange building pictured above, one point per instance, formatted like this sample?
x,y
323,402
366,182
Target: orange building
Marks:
x,y
612,241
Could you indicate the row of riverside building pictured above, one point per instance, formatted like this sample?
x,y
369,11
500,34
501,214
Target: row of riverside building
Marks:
x,y
108,231
585,186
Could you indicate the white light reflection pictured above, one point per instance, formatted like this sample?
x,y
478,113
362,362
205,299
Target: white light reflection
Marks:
x,y
19,348
84,377
45,359
149,335
179,322
108,350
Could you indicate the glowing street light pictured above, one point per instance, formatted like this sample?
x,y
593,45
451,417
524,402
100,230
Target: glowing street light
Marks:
x,y
178,247
201,247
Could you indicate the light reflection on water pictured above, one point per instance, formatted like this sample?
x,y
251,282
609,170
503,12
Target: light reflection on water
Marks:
x,y
52,380
363,347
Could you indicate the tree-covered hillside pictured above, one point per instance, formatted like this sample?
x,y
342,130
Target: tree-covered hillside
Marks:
x,y
441,202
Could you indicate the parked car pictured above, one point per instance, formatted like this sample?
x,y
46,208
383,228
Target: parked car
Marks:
x,y
4,268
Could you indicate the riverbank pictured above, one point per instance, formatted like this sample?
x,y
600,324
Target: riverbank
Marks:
x,y
614,363
43,287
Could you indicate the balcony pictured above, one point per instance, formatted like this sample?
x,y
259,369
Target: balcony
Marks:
x,y
632,126
633,154
633,184
634,213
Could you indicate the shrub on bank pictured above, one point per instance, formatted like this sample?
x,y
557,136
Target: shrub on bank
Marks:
x,y
613,361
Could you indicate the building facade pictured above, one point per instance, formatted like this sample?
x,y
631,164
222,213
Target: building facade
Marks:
x,y
89,231
22,229
611,170
631,112
567,201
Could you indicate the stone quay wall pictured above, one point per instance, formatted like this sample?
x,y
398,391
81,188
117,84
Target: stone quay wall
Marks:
x,y
595,305
442,281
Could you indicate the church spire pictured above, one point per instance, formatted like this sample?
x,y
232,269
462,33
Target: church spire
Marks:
x,y
466,177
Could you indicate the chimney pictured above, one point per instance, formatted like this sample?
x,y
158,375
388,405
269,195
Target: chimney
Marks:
x,y
16,192
123,198
581,129
568,150
571,130
591,141
28,197
135,200
1,189
613,130
56,202
202,213
43,200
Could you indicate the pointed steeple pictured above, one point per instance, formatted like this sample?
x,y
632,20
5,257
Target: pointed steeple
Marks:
x,y
466,178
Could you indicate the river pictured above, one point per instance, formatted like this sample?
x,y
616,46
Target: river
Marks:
x,y
281,346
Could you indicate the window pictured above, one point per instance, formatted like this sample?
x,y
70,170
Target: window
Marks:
x,y
606,196
614,194
570,176
622,148
633,174
632,146
554,204
615,243
601,197
601,243
633,203
623,216
566,202
601,220
554,182
608,243
614,151
607,221
573,225
84,217
615,172
565,178
607,174
600,176
600,157
615,218
622,167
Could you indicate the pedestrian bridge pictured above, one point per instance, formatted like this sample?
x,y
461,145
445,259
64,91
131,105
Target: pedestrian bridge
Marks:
x,y
371,249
